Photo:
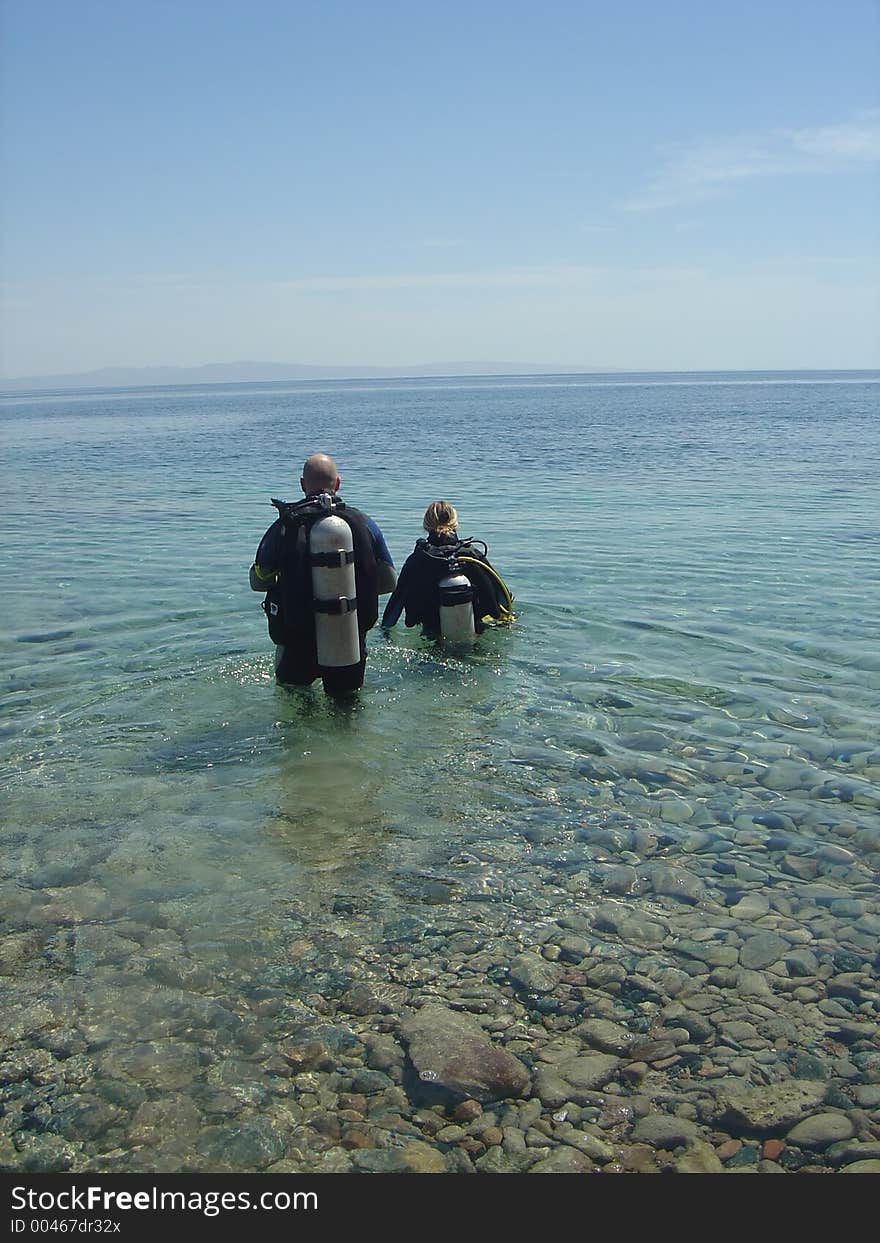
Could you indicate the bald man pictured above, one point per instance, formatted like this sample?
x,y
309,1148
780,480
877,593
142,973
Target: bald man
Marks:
x,y
282,570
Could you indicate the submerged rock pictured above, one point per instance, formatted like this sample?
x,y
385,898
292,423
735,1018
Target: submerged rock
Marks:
x,y
765,1110
675,882
762,950
251,1145
821,1130
666,1131
564,1160
454,1053
534,974
575,1079
604,1035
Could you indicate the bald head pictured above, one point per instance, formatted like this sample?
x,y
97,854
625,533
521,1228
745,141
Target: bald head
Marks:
x,y
319,474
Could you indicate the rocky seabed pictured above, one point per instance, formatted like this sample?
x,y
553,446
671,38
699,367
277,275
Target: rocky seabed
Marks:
x,y
610,1000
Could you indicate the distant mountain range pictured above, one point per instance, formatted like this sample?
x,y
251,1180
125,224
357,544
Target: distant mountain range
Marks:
x,y
257,372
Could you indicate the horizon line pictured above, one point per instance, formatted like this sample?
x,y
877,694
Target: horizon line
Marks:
x,y
42,383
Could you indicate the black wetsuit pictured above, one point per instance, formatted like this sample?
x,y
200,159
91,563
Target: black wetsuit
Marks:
x,y
282,561
416,594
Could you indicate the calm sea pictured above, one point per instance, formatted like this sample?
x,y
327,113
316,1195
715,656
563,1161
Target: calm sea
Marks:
x,y
694,560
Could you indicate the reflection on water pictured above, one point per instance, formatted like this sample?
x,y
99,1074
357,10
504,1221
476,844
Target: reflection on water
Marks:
x,y
328,793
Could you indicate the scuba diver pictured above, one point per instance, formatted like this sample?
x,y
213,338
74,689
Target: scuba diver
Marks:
x,y
447,584
323,565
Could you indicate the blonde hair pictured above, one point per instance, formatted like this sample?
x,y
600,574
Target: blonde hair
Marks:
x,y
441,518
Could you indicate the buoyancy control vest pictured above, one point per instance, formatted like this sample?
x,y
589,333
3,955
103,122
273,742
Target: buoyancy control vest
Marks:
x,y
326,597
438,577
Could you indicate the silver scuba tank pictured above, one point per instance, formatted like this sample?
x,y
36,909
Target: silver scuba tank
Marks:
x,y
331,554
456,607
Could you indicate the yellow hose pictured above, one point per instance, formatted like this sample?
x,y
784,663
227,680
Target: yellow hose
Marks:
x,y
507,614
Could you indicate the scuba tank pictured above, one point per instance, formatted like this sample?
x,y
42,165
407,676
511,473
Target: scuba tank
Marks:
x,y
334,594
456,605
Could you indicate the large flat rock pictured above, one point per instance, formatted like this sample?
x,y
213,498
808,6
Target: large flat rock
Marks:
x,y
766,1110
451,1051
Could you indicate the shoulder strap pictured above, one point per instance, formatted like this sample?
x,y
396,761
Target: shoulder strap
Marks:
x,y
309,508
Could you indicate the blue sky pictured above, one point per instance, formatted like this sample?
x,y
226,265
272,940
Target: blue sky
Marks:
x,y
637,186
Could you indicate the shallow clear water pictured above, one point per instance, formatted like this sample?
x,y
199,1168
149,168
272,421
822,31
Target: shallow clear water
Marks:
x,y
694,562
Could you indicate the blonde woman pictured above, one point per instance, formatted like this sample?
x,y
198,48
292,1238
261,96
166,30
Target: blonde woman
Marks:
x,y
441,523
439,553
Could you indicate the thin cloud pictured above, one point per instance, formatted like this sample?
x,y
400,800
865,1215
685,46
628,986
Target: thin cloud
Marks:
x,y
692,174
857,140
165,278
549,277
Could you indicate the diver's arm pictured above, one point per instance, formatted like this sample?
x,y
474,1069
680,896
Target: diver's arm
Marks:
x,y
261,580
261,575
386,577
393,609
397,603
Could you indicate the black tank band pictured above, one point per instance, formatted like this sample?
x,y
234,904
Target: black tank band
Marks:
x,y
343,604
334,559
456,595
